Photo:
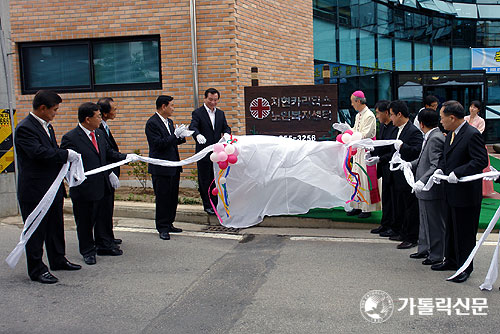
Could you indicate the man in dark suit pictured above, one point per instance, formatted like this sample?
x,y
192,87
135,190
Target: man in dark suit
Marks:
x,y
405,208
39,160
431,236
163,139
464,154
108,112
209,124
381,156
89,197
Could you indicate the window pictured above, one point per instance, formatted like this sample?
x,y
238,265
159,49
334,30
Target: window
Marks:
x,y
91,65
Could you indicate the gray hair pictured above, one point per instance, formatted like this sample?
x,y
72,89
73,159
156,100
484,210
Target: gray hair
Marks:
x,y
360,99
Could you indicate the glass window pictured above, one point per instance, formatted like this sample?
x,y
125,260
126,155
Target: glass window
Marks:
x,y
493,89
116,64
422,56
126,62
402,55
348,13
384,53
55,66
488,33
384,85
462,59
445,7
347,41
366,49
465,10
489,11
384,20
441,57
367,15
464,33
410,3
324,40
428,4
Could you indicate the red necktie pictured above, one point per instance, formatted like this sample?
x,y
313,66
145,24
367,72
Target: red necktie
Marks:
x,y
94,141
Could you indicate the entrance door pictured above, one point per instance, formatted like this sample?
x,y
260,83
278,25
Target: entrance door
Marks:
x,y
464,94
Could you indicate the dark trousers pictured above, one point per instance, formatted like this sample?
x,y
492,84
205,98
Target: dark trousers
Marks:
x,y
406,215
205,178
51,232
387,199
106,215
166,190
461,229
91,225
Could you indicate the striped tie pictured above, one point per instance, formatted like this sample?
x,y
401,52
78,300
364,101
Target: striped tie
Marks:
x,y
452,137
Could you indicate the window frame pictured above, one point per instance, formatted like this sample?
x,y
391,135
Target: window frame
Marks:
x,y
93,87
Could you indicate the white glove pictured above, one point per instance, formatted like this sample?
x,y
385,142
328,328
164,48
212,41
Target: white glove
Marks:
x,y
201,139
452,178
418,186
491,178
178,130
113,179
132,157
370,161
397,144
186,133
342,127
435,179
227,136
72,155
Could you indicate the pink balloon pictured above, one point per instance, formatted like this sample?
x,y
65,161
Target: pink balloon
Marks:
x,y
349,132
222,164
215,191
218,147
339,138
232,159
214,157
236,153
222,156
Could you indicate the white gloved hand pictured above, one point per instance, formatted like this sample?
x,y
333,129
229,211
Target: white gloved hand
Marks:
x,y
342,127
491,178
397,144
178,130
201,139
113,179
132,157
370,161
418,186
435,179
72,155
186,133
227,136
452,178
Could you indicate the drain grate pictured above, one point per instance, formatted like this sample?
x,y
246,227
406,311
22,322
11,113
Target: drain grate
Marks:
x,y
223,229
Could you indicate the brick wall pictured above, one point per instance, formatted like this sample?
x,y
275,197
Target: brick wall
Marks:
x,y
233,36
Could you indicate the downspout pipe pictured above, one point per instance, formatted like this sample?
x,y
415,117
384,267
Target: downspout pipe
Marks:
x,y
194,52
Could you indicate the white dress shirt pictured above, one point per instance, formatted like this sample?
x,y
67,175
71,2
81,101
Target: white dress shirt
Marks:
x,y
211,114
44,124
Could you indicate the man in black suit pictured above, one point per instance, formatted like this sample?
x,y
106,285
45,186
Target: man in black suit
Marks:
x,y
405,206
89,197
381,156
209,124
163,139
108,112
39,160
464,154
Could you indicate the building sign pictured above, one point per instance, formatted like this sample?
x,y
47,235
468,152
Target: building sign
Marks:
x,y
6,143
487,59
299,112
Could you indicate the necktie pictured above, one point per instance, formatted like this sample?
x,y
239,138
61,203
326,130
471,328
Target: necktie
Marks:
x,y
49,127
107,129
452,137
92,135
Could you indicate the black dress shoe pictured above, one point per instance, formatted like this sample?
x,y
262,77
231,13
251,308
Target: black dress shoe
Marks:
x,y
66,266
164,236
173,229
46,278
460,278
445,265
428,262
210,212
354,212
89,259
396,238
117,241
406,245
388,233
365,215
418,256
110,252
379,229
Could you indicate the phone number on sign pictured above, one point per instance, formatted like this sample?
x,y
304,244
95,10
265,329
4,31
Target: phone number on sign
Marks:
x,y
300,137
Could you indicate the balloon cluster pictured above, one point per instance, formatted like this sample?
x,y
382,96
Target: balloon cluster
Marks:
x,y
224,155
349,136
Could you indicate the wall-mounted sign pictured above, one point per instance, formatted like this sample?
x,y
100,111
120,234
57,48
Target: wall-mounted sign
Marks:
x,y
303,112
487,59
6,142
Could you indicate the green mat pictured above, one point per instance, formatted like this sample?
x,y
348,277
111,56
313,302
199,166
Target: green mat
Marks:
x,y
488,208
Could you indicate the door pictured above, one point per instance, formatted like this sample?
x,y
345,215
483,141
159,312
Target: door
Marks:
x,y
464,94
